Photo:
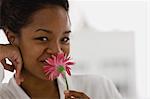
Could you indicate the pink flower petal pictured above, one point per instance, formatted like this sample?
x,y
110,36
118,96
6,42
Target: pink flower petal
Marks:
x,y
68,71
51,70
49,61
70,63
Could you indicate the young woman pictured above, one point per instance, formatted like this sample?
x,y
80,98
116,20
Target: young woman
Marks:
x,y
36,30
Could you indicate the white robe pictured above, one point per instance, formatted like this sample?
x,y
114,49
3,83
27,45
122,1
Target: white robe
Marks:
x,y
94,86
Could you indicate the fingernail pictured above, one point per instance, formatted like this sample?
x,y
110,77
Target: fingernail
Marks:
x,y
66,91
18,82
19,79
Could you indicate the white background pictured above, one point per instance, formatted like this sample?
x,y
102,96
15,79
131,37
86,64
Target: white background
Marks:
x,y
124,15
128,16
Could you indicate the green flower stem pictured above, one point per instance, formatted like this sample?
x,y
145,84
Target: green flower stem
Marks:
x,y
61,69
66,82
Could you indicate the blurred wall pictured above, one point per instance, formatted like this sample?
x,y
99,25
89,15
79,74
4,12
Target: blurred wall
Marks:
x,y
110,38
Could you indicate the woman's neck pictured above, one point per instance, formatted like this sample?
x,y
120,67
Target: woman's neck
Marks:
x,y
36,87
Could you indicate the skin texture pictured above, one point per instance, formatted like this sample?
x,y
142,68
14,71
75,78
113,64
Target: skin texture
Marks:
x,y
47,34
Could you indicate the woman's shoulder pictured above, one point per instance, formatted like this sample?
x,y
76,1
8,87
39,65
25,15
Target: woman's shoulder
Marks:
x,y
99,86
90,78
93,81
89,82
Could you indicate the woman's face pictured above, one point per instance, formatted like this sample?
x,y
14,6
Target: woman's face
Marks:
x,y
47,34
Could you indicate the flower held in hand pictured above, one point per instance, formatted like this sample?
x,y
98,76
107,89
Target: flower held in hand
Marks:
x,y
58,65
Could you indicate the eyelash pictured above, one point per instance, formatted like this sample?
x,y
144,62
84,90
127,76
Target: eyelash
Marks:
x,y
64,39
42,38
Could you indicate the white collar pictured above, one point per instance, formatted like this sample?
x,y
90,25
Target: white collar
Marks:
x,y
62,85
18,91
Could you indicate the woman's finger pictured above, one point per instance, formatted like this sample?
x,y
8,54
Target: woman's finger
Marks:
x,y
75,95
13,54
15,66
7,66
17,60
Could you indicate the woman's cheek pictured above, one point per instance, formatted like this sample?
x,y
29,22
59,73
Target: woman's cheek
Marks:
x,y
66,49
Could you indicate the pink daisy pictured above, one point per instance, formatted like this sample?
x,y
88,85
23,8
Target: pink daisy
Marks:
x,y
58,65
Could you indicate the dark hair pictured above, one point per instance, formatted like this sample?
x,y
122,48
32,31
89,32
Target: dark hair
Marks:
x,y
14,14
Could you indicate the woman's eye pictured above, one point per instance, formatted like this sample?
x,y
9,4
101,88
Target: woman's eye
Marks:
x,y
42,38
66,40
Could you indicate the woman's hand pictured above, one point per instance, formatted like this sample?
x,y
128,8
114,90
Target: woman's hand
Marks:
x,y
12,53
70,94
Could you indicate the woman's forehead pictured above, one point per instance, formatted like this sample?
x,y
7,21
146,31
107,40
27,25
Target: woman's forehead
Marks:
x,y
55,19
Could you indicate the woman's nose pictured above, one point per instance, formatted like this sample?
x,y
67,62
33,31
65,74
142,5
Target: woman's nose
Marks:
x,y
55,49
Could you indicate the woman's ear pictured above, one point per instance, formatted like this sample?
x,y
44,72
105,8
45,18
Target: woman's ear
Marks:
x,y
12,37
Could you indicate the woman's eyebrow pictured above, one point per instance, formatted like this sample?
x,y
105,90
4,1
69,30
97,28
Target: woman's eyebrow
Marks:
x,y
45,30
49,31
67,32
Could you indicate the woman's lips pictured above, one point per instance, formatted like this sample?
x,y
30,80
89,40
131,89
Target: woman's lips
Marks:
x,y
44,62
43,59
